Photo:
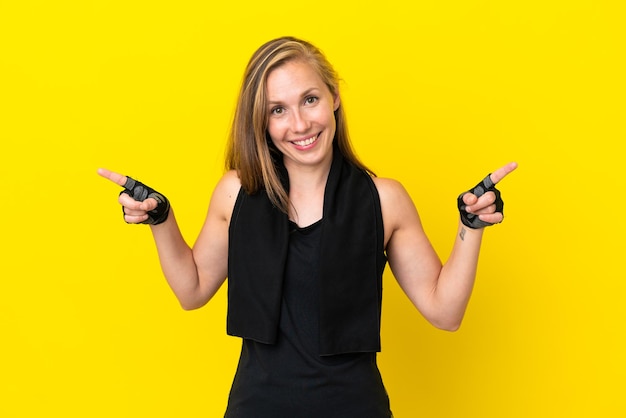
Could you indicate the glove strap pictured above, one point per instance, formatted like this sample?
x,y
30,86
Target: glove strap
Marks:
x,y
471,220
141,192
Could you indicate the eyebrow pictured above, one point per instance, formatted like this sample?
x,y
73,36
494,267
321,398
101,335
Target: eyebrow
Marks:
x,y
304,94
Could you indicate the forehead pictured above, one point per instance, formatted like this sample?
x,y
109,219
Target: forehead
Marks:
x,y
292,78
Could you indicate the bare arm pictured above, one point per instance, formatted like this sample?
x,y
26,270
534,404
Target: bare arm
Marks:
x,y
195,274
440,292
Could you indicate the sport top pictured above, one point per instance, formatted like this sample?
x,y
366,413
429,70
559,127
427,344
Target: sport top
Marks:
x,y
289,378
352,260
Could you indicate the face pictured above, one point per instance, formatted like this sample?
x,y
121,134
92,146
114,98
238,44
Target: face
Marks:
x,y
301,115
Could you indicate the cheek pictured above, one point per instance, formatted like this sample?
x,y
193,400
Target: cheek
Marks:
x,y
272,130
275,132
330,114
330,120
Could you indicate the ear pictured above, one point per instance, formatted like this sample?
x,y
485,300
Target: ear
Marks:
x,y
336,102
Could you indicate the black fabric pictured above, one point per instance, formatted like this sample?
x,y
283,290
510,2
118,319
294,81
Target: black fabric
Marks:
x,y
352,261
141,192
289,379
469,219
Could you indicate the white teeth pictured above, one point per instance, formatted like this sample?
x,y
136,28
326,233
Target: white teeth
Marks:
x,y
305,142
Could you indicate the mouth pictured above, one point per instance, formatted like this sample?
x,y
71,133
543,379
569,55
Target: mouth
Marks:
x,y
306,142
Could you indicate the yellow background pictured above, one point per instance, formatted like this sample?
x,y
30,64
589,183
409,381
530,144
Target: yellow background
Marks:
x,y
437,94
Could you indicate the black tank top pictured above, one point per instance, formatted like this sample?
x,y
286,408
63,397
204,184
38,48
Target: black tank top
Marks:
x,y
290,379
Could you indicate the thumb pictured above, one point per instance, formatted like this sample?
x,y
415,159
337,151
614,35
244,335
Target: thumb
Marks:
x,y
469,198
149,204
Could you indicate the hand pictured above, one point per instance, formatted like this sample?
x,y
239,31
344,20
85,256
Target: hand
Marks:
x,y
140,203
482,205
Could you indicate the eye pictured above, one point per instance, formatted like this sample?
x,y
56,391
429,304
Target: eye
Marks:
x,y
277,110
311,100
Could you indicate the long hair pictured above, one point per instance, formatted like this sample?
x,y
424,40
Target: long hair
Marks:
x,y
249,150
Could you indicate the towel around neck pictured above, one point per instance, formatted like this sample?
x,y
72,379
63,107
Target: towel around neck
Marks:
x,y
352,262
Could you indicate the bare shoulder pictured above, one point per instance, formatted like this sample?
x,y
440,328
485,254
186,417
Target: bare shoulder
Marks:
x,y
388,188
229,183
225,195
393,196
396,205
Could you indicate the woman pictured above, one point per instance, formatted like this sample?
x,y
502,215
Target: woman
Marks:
x,y
303,231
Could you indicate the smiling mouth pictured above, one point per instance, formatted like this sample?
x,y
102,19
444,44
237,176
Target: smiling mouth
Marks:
x,y
305,142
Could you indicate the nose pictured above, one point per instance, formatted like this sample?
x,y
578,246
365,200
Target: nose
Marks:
x,y
299,122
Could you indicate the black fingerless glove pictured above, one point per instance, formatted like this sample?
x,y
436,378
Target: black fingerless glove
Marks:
x,y
141,192
469,219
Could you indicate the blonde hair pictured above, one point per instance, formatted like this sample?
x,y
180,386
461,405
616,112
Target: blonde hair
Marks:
x,y
250,151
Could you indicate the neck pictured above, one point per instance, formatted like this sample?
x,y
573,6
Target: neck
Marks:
x,y
304,178
306,192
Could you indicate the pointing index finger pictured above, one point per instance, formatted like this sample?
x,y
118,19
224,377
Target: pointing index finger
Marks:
x,y
502,172
116,178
